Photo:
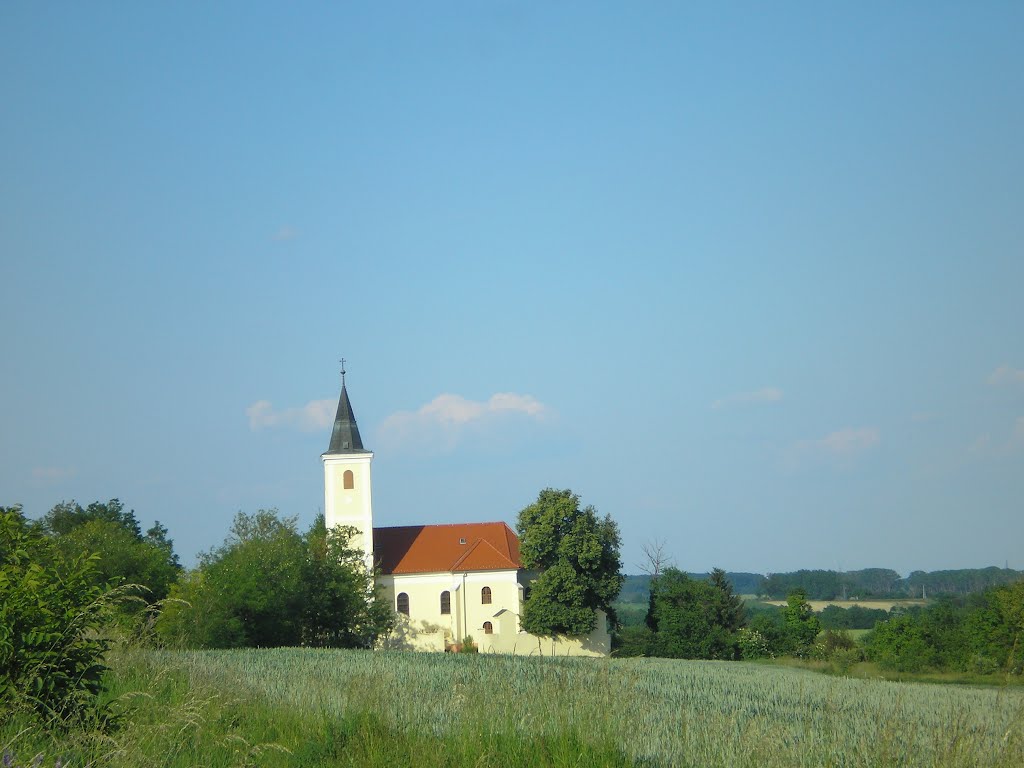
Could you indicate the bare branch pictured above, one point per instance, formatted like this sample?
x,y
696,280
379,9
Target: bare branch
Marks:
x,y
657,556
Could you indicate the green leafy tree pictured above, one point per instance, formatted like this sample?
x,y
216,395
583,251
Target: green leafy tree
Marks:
x,y
125,555
769,622
247,592
576,555
802,626
51,614
68,515
900,644
693,619
729,610
342,608
979,634
268,585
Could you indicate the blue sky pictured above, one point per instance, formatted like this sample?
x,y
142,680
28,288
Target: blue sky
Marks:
x,y
746,277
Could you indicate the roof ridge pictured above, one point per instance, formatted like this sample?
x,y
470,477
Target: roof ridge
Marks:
x,y
467,553
445,525
473,549
508,542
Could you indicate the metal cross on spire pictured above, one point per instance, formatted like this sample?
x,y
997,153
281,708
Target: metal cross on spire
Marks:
x,y
342,361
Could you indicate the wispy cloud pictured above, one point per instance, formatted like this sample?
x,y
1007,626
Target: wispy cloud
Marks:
x,y
1005,375
766,395
848,442
52,475
1003,443
980,444
285,233
314,415
841,447
443,421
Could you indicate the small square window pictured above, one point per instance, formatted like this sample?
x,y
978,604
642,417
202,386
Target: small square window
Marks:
x,y
462,541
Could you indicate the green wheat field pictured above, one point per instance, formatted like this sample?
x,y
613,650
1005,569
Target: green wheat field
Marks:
x,y
295,707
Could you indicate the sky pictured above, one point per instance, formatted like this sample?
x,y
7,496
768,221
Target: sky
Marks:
x,y
746,277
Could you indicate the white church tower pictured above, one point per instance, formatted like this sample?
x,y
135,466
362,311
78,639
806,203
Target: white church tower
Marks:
x,y
347,477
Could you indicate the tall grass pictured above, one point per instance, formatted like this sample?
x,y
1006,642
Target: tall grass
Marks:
x,y
177,710
664,712
304,707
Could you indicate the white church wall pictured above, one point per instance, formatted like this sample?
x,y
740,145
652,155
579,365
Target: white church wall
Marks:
x,y
427,629
350,506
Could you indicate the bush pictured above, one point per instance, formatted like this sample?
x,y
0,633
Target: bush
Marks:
x,y
899,644
843,659
753,645
632,641
837,641
51,655
983,665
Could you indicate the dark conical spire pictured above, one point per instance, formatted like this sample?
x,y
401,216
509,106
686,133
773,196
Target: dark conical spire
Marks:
x,y
345,437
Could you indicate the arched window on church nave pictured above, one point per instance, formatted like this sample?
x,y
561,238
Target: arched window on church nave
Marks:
x,y
488,628
446,602
485,596
402,603
349,480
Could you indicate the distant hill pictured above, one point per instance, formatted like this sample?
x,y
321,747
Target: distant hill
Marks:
x,y
636,589
837,585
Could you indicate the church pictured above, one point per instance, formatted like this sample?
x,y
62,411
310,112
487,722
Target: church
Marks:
x,y
445,582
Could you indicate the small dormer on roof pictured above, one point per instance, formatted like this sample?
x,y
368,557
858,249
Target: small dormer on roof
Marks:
x,y
345,436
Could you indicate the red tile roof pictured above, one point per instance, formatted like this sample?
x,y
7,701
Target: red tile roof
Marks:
x,y
438,548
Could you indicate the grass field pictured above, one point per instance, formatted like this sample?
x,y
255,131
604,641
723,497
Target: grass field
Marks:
x,y
303,707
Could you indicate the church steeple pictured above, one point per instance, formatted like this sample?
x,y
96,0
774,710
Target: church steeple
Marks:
x,y
345,436
347,488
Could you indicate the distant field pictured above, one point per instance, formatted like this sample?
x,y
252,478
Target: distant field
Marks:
x,y
658,712
885,605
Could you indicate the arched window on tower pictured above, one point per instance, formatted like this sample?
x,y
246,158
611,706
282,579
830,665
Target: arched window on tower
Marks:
x,y
488,628
485,596
446,603
349,480
402,603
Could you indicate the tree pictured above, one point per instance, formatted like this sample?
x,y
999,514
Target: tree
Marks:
x,y
729,610
900,644
68,515
268,585
656,557
693,619
980,634
247,592
767,624
577,556
125,555
802,626
342,609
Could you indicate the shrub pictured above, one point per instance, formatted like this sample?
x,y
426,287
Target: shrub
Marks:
x,y
753,645
843,659
837,641
50,651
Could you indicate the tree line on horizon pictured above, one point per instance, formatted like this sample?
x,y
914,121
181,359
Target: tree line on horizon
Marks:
x,y
867,583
